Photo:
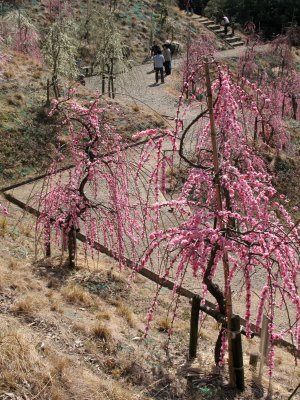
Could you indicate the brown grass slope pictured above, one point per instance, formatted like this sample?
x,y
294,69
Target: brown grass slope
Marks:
x,y
78,335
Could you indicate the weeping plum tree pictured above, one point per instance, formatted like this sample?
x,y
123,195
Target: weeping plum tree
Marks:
x,y
204,44
94,196
287,81
232,222
278,89
21,34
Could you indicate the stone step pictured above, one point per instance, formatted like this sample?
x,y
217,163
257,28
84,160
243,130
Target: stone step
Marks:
x,y
206,23
236,44
203,19
232,39
213,27
219,32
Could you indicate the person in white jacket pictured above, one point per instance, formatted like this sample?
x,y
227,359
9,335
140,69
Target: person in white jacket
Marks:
x,y
226,24
159,60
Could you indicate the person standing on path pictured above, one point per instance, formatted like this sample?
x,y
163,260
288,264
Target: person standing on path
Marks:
x,y
189,7
167,56
159,60
226,24
155,48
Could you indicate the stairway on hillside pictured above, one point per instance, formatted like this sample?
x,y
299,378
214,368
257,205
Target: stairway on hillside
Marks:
x,y
230,39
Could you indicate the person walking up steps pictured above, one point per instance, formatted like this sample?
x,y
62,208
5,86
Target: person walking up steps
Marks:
x,y
189,7
159,60
226,24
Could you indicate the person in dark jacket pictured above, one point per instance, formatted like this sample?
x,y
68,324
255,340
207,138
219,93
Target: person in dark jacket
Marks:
x,y
155,48
189,7
167,56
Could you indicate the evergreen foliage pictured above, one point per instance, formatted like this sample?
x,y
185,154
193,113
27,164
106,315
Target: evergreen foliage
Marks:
x,y
271,17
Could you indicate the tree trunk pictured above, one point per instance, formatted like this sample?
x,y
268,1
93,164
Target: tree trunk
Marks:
x,y
255,131
219,207
295,106
48,94
103,83
111,72
48,241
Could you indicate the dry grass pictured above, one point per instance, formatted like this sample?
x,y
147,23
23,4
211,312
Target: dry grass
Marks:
x,y
3,282
100,331
20,362
15,101
8,74
135,108
13,264
29,372
75,294
117,277
37,75
103,315
19,96
128,367
3,226
28,305
125,313
27,230
163,325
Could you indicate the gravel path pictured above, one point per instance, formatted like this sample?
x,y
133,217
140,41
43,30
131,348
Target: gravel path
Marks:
x,y
137,86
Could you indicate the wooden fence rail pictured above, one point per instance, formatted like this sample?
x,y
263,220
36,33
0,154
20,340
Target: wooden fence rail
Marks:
x,y
207,307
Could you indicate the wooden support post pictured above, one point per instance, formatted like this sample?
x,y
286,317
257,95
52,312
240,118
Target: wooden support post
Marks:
x,y
113,87
109,85
253,361
194,327
264,344
48,94
48,241
237,352
72,247
63,241
193,88
103,83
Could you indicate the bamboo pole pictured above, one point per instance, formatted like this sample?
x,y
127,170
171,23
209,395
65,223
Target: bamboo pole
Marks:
x,y
222,226
264,344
